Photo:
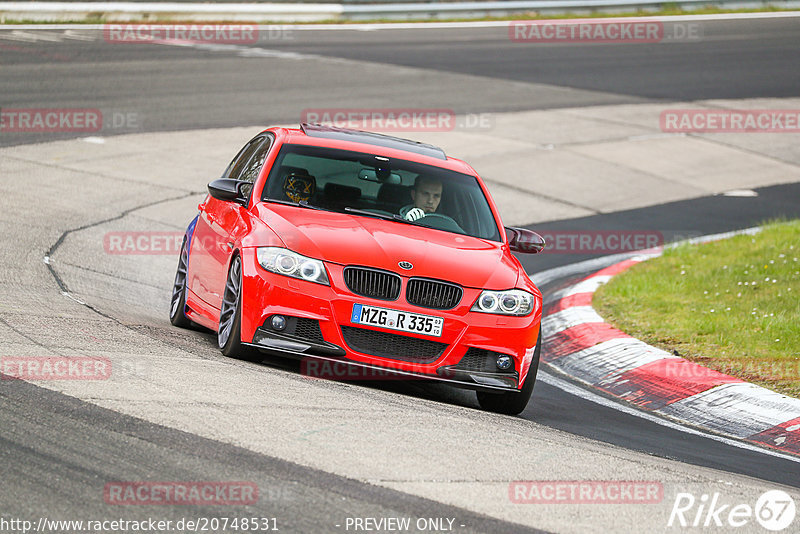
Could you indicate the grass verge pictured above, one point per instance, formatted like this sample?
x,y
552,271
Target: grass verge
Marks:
x,y
731,305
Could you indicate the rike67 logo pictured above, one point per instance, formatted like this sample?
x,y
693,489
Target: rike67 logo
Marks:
x,y
774,510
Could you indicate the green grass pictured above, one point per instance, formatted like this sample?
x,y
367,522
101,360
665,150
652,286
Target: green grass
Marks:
x,y
731,305
667,10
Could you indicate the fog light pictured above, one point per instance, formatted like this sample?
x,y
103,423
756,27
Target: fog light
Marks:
x,y
504,362
278,322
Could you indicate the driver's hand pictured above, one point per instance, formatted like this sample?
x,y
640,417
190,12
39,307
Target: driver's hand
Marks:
x,y
414,214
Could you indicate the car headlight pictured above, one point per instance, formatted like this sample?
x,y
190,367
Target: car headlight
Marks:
x,y
284,261
511,302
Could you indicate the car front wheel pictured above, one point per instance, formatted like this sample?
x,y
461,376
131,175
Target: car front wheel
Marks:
x,y
229,335
513,402
177,310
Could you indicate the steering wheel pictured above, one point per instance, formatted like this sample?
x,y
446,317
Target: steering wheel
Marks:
x,y
440,221
438,216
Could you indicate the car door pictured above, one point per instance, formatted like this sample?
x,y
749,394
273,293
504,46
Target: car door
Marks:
x,y
221,225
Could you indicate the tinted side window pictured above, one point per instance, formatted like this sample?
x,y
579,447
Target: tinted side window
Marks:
x,y
253,167
236,166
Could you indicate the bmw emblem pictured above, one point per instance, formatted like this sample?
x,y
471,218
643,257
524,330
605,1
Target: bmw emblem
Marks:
x,y
405,265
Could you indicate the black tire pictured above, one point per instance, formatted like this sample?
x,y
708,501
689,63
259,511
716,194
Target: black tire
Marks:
x,y
513,402
177,309
229,334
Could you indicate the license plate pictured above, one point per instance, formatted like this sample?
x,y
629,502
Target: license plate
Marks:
x,y
397,320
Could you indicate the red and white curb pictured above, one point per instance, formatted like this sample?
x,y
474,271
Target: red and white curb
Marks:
x,y
580,344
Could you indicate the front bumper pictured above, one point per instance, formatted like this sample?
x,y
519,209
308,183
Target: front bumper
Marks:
x,y
463,355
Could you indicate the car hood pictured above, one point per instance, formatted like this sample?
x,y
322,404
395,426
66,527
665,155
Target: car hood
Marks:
x,y
349,239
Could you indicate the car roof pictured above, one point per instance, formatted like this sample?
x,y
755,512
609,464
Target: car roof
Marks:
x,y
371,138
379,144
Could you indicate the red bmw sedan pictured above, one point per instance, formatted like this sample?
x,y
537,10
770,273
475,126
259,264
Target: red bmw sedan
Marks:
x,y
366,250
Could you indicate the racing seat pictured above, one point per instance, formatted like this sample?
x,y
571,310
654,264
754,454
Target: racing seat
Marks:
x,y
338,196
392,197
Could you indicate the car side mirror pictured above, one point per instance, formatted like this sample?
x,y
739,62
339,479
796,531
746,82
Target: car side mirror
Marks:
x,y
524,241
228,190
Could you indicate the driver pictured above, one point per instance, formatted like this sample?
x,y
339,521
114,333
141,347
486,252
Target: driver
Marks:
x,y
427,194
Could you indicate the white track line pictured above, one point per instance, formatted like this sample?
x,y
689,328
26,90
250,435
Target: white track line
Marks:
x,y
586,394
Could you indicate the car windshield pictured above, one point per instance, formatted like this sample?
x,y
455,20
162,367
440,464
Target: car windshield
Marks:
x,y
364,184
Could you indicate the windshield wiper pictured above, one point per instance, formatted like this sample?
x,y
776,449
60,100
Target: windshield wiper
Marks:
x,y
301,204
356,211
387,217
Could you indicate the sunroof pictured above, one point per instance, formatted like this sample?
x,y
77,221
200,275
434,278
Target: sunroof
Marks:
x,y
387,141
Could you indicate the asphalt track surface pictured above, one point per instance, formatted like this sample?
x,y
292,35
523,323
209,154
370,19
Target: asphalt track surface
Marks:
x,y
173,88
64,477
71,447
